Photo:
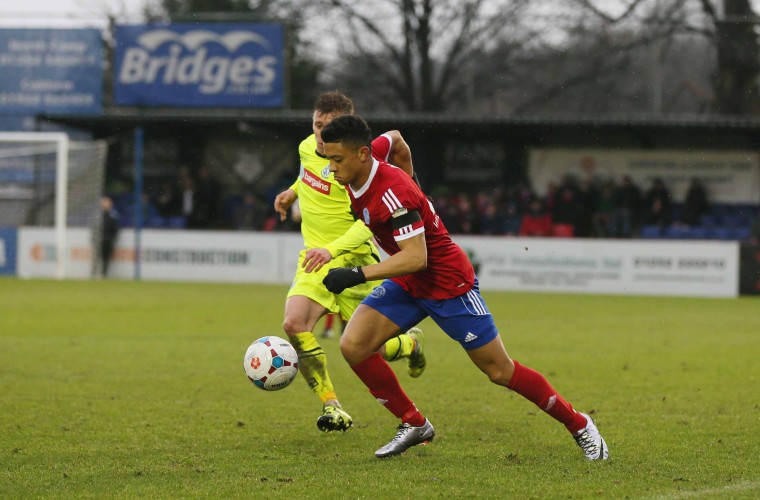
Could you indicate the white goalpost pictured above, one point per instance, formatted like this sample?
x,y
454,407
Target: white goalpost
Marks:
x,y
46,179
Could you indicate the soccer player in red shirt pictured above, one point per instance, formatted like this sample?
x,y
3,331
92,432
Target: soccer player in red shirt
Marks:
x,y
427,274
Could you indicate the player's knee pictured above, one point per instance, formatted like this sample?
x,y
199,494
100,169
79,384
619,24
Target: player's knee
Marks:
x,y
500,374
352,351
346,348
291,326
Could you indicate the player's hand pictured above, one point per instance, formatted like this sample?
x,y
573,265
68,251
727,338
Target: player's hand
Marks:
x,y
340,278
315,258
283,201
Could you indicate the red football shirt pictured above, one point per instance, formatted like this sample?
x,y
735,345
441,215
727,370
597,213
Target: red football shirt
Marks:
x,y
381,147
388,192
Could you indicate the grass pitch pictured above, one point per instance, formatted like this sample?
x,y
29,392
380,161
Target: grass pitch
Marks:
x,y
123,389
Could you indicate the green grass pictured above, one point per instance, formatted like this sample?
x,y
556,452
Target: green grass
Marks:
x,y
122,389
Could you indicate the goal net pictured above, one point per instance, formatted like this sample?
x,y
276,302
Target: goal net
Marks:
x,y
48,180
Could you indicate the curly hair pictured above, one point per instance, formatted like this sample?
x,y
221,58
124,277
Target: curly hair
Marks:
x,y
334,102
350,129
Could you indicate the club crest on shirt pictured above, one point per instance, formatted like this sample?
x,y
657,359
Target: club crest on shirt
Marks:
x,y
365,215
326,172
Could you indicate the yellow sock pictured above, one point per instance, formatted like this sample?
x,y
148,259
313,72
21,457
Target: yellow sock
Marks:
x,y
399,347
312,363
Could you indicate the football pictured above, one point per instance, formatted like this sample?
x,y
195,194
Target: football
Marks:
x,y
271,363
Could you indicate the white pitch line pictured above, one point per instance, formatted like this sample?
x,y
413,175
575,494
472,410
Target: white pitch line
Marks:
x,y
740,486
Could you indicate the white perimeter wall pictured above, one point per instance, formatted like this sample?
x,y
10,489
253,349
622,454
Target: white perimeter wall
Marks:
x,y
636,267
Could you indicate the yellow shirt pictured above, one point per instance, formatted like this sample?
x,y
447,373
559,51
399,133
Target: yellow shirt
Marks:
x,y
325,207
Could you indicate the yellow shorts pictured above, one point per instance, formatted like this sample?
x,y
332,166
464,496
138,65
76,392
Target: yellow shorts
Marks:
x,y
310,284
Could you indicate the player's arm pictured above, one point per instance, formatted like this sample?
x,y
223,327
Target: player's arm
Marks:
x,y
411,258
285,200
400,154
357,235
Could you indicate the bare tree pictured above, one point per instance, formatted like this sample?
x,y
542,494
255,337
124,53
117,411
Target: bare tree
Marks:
x,y
531,56
419,50
738,56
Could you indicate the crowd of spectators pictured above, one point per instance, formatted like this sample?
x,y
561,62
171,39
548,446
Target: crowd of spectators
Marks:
x,y
195,200
569,208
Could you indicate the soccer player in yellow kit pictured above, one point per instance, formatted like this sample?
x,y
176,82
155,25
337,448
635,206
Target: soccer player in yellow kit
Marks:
x,y
334,238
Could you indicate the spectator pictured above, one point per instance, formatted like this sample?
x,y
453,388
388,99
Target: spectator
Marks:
x,y
588,196
468,219
168,204
604,212
187,198
696,204
523,195
535,222
754,232
627,207
251,213
512,220
551,198
658,206
491,221
451,215
206,201
567,211
104,237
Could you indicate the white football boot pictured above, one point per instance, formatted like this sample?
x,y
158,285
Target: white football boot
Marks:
x,y
591,442
406,437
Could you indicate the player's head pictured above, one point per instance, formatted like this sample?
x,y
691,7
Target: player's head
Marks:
x,y
328,106
348,144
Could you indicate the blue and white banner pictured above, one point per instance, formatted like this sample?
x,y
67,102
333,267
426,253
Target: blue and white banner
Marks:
x,y
51,71
200,65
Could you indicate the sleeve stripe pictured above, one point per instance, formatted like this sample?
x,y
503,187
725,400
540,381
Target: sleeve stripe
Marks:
x,y
391,201
409,233
392,195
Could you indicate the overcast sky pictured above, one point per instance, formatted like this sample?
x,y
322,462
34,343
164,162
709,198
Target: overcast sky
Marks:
x,y
93,13
67,13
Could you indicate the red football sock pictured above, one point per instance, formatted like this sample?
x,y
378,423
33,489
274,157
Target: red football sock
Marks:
x,y
534,387
329,320
382,383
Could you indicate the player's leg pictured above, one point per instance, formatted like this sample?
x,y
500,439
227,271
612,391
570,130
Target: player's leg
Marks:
x,y
493,360
409,345
307,301
374,322
301,314
467,320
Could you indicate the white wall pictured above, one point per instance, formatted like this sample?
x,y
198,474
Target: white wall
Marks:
x,y
635,267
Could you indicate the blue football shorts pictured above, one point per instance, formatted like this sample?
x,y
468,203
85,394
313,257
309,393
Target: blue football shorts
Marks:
x,y
465,319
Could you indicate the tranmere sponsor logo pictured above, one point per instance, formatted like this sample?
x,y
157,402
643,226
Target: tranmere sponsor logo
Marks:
x,y
315,182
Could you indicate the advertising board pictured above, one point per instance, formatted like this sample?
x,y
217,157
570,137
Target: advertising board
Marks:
x,y
51,71
200,65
